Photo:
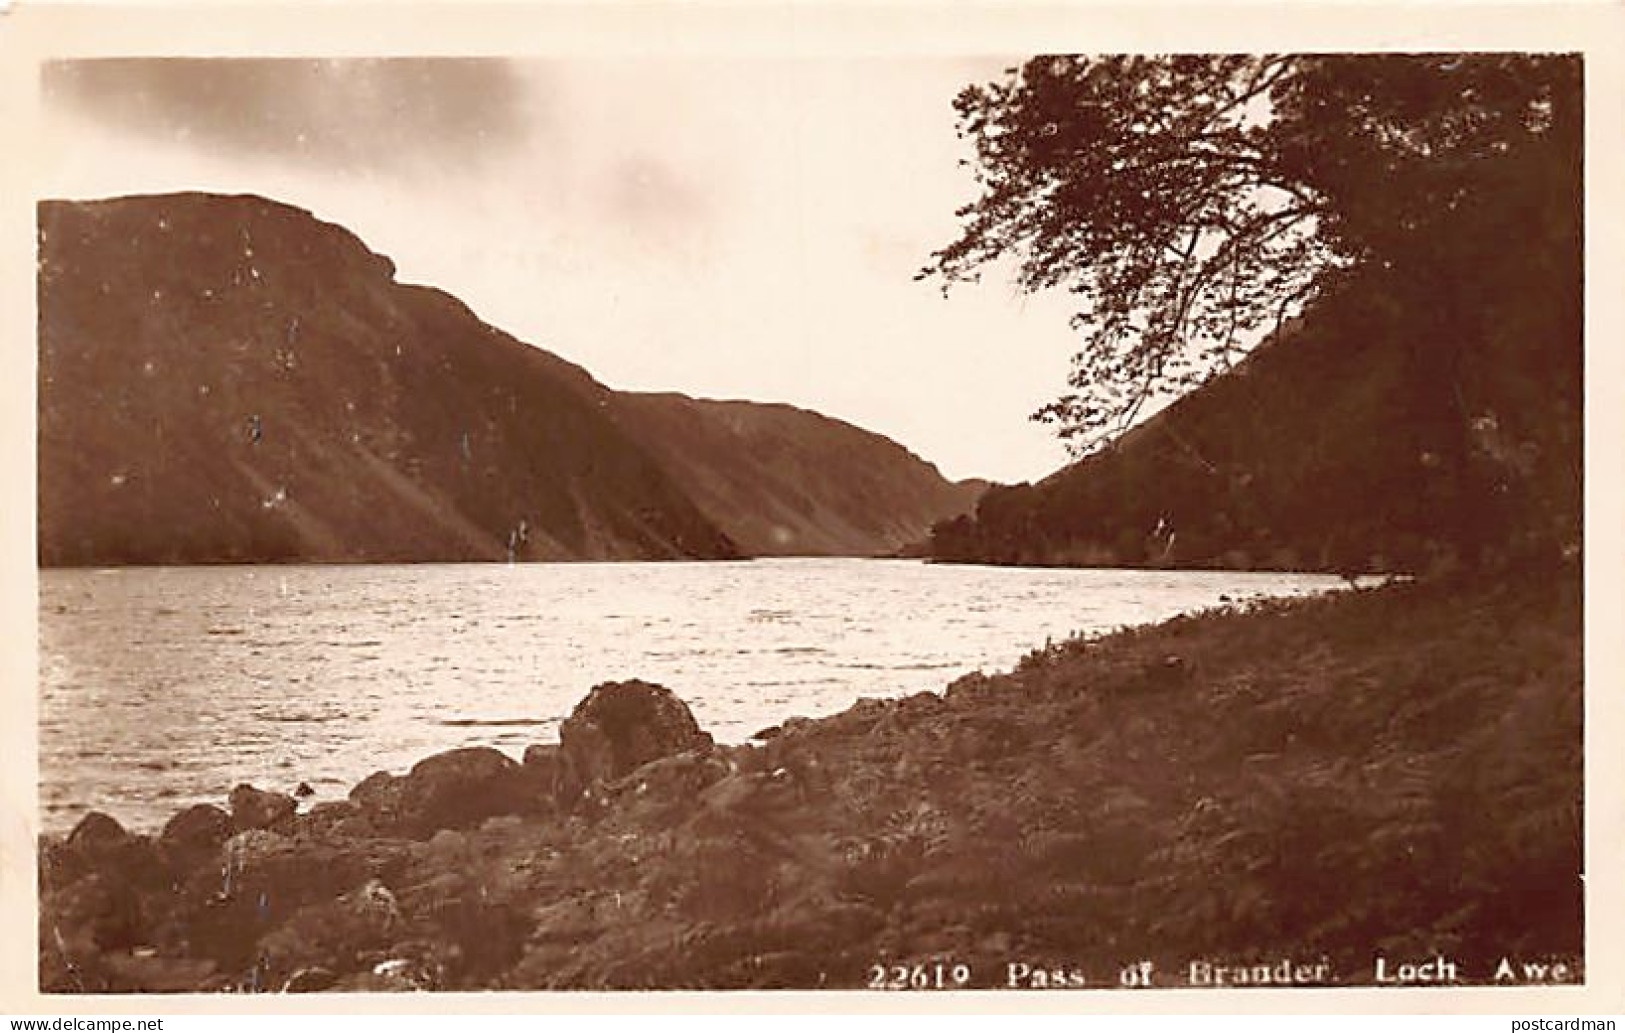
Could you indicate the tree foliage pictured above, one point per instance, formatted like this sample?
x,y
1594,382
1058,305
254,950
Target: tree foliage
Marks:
x,y
1195,202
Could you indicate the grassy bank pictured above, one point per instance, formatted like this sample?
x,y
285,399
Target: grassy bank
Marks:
x,y
1392,772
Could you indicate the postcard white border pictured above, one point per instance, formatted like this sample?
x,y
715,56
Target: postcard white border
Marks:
x,y
31,33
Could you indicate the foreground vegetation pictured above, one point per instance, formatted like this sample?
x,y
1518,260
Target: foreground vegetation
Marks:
x,y
1392,772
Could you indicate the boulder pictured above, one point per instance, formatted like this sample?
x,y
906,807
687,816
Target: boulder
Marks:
x,y
471,921
200,829
549,778
380,796
259,809
247,851
971,687
668,789
262,879
334,935
58,865
461,788
471,764
790,726
858,719
921,704
621,726
447,849
96,834
100,912
82,926
335,818
452,790
100,844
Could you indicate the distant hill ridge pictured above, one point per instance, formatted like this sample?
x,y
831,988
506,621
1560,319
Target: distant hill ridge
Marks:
x,y
782,481
230,379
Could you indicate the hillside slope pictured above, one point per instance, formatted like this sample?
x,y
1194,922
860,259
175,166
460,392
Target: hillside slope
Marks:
x,y
784,481
228,379
1340,445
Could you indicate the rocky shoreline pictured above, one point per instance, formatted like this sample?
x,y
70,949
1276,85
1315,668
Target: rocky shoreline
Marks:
x,y
1391,773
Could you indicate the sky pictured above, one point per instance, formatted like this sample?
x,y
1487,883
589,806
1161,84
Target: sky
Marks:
x,y
742,228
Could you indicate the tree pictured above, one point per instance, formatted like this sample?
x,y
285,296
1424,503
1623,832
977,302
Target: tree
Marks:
x,y
1195,202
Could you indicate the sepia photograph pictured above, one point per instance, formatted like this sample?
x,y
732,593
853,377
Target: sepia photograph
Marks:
x,y
1060,519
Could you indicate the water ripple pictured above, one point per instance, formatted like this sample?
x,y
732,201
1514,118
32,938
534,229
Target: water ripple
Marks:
x,y
346,670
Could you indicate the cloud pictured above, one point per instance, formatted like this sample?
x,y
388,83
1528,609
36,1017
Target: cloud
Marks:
x,y
646,189
355,114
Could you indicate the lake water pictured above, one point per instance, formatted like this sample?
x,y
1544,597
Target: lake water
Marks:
x,y
162,687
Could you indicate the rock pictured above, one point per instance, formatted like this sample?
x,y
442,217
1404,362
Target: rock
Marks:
x,y
100,911
857,719
543,756
621,726
100,844
446,848
379,796
375,903
96,834
459,789
200,829
63,969
790,726
335,936
59,866
333,810
472,921
452,790
246,851
303,790
471,765
921,703
551,781
678,778
264,878
667,789
336,818
294,871
753,804
259,809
